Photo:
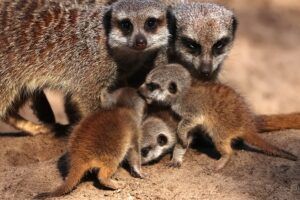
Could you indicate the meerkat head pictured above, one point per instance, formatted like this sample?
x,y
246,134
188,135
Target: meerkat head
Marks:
x,y
158,139
164,84
204,36
124,97
137,25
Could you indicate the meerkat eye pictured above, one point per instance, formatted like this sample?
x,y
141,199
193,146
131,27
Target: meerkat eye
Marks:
x,y
219,46
145,151
152,86
172,88
162,140
151,24
126,26
190,44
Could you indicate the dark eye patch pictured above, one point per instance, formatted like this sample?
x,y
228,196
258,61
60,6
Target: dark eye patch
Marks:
x,y
152,86
145,151
151,24
219,46
162,140
126,26
172,88
191,45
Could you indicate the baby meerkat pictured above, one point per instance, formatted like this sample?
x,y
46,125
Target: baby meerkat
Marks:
x,y
79,50
159,138
217,108
103,140
158,130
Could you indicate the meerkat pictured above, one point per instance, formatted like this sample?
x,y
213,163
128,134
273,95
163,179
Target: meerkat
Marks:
x,y
207,26
47,45
85,2
159,131
103,140
203,36
159,137
217,108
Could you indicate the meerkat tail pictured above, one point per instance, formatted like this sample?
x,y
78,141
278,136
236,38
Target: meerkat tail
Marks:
x,y
267,148
267,123
72,180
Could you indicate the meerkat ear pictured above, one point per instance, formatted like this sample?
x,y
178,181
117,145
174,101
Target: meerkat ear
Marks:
x,y
162,140
172,88
171,20
234,25
107,21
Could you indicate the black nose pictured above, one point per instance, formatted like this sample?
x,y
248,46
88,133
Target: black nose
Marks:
x,y
140,42
206,69
145,151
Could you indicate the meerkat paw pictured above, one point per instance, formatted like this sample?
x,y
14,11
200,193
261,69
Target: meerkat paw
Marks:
x,y
175,164
39,129
143,175
137,173
113,184
221,163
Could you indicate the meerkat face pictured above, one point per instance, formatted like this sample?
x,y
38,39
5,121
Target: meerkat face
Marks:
x,y
157,140
126,97
165,84
205,33
138,25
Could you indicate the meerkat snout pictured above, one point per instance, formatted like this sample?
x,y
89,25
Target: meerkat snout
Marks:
x,y
140,42
206,68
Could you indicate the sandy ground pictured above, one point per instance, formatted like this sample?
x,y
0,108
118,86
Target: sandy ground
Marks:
x,y
264,66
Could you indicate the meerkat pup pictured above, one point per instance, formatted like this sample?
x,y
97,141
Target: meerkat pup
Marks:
x,y
217,108
79,50
159,138
158,130
103,140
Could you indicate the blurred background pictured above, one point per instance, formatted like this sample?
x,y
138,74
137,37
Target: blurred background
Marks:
x,y
264,64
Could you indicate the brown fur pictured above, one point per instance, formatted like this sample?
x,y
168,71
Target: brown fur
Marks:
x,y
205,24
44,44
180,50
217,108
276,122
102,141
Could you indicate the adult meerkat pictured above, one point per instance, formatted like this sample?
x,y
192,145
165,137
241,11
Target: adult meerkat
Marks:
x,y
215,107
201,39
103,140
47,45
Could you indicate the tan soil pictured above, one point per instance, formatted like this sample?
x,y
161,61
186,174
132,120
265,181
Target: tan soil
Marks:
x,y
264,66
